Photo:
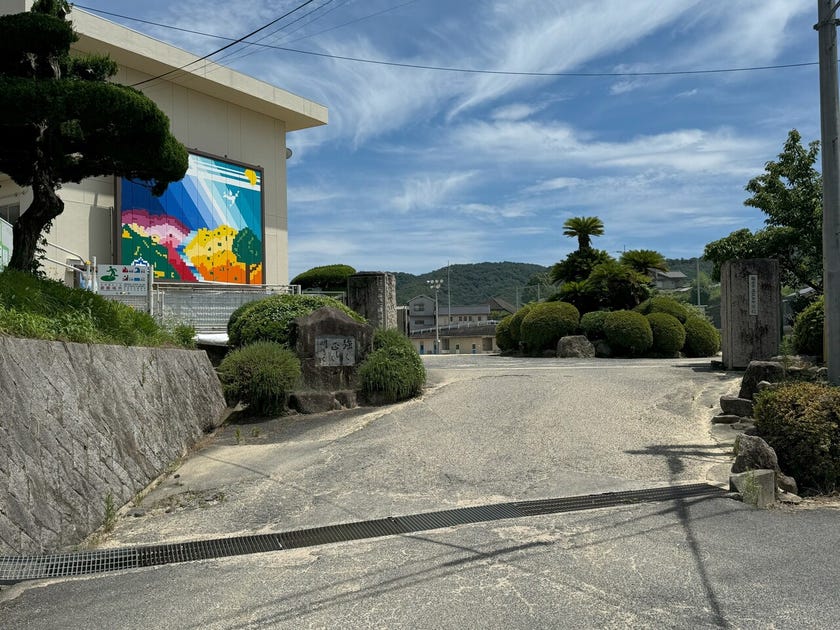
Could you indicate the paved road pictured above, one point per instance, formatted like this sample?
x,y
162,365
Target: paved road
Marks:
x,y
489,429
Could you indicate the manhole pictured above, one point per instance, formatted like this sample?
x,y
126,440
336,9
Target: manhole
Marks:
x,y
15,569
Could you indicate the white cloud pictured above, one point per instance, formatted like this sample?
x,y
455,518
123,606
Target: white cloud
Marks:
x,y
422,193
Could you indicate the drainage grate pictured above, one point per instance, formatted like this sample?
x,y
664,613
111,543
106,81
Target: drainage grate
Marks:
x,y
15,569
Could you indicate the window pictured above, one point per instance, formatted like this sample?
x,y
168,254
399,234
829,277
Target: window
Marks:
x,y
10,212
419,322
419,307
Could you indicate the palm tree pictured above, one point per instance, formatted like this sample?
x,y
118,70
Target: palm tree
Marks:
x,y
583,228
643,259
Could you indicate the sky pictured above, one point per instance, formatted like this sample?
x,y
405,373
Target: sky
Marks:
x,y
419,168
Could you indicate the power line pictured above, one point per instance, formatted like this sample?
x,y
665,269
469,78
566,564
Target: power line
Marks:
x,y
226,46
380,62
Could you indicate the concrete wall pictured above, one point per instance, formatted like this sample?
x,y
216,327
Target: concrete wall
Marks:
x,y
79,422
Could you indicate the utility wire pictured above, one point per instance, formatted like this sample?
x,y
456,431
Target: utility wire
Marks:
x,y
226,46
379,62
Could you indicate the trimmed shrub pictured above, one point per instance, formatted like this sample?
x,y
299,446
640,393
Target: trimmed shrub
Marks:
x,y
664,304
545,323
592,325
801,421
390,338
391,374
617,286
701,338
259,375
269,319
628,332
668,333
325,278
515,328
503,337
808,329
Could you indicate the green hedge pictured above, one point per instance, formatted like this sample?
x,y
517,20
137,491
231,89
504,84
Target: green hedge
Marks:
x,y
808,329
801,421
701,338
515,327
668,333
269,319
503,337
326,278
546,323
592,325
392,373
664,304
628,333
259,375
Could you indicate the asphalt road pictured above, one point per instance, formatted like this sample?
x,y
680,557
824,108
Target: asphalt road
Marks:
x,y
489,429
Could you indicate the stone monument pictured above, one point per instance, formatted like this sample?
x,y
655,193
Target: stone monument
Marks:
x,y
373,295
750,311
330,345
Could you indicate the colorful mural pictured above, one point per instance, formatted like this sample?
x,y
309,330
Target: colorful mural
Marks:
x,y
207,227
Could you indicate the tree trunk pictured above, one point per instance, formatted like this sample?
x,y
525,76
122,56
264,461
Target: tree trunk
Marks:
x,y
46,205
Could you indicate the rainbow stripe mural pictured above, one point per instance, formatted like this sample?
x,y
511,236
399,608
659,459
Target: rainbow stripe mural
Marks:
x,y
207,227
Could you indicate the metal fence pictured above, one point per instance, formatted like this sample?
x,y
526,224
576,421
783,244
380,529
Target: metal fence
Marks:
x,y
205,306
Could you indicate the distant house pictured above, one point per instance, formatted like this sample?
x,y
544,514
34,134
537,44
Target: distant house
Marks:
x,y
501,305
476,338
421,314
668,280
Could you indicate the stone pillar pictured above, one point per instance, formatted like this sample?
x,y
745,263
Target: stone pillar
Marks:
x,y
750,311
373,294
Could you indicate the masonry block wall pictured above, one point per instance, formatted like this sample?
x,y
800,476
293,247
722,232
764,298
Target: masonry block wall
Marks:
x,y
80,422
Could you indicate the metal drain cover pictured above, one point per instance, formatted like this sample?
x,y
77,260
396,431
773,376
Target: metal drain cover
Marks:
x,y
15,569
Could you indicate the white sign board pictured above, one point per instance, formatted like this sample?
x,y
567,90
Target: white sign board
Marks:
x,y
335,351
123,279
753,294
5,243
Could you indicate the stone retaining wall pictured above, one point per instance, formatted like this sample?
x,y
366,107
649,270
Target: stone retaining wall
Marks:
x,y
80,422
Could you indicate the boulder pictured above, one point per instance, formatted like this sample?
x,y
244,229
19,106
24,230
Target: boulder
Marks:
x,y
726,419
602,348
735,406
313,402
786,483
756,487
575,346
753,453
758,371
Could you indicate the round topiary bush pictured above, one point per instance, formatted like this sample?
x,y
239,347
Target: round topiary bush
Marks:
x,y
259,375
800,422
592,325
391,374
808,329
515,327
503,337
664,304
628,332
668,333
701,338
269,319
545,323
325,278
390,338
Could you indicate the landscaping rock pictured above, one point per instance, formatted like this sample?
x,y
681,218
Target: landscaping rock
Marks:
x,y
758,371
733,405
756,487
602,349
347,399
575,346
726,419
753,453
786,483
313,402
789,497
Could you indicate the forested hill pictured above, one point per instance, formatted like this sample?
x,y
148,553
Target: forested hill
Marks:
x,y
470,284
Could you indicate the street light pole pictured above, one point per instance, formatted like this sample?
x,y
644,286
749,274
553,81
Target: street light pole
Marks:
x,y
435,285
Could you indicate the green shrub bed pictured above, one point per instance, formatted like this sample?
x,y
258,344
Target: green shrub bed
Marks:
x,y
668,333
592,325
628,333
260,375
503,337
515,327
808,329
801,421
392,373
546,323
664,304
701,338
269,319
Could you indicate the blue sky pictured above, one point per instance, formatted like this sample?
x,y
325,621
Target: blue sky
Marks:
x,y
420,167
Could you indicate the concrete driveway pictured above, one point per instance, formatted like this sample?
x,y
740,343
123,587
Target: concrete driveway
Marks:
x,y
489,429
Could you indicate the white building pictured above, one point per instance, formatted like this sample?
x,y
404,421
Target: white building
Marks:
x,y
235,128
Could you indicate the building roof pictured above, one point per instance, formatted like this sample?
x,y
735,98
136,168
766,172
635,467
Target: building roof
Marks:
x,y
500,304
145,54
675,275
